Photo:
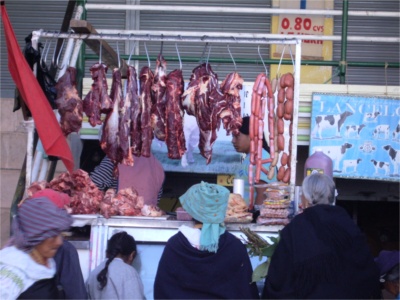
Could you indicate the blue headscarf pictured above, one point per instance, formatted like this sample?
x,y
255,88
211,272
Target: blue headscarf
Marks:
x,y
207,203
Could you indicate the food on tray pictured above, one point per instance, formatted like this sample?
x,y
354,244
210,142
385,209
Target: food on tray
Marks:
x,y
237,210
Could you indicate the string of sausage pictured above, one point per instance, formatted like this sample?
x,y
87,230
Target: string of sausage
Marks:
x,y
261,96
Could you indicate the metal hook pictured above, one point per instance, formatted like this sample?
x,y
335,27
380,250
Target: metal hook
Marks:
x,y
280,61
291,56
47,51
58,57
262,60
130,55
119,61
43,51
204,50
208,56
179,57
101,48
234,63
147,53
162,44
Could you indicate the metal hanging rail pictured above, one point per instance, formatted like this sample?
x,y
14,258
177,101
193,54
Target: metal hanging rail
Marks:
x,y
240,10
212,37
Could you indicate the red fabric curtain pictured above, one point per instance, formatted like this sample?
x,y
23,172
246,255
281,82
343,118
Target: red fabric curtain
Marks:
x,y
47,126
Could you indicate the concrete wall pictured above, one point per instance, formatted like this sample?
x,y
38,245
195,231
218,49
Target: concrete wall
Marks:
x,y
13,143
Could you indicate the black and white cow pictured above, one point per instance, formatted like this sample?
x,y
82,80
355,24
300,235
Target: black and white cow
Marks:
x,y
350,163
396,132
381,130
336,153
331,121
350,129
371,117
394,156
381,165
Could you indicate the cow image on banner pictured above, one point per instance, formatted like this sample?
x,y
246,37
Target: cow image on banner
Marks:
x,y
358,133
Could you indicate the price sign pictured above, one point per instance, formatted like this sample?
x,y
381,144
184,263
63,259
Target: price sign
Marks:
x,y
225,180
302,25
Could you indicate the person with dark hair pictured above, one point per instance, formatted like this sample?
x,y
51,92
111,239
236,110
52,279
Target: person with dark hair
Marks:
x,y
206,263
321,254
388,264
241,143
116,278
27,267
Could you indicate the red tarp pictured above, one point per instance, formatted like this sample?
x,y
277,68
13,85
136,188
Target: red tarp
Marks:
x,y
49,131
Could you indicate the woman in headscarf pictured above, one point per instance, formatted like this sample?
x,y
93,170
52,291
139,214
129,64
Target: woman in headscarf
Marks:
x,y
27,268
321,254
206,263
241,143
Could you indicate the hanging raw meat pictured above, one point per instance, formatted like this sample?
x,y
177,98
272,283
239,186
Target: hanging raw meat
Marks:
x,y
109,138
146,102
136,112
125,115
158,109
69,103
231,110
97,100
175,138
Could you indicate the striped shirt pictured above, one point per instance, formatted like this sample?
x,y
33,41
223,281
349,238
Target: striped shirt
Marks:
x,y
103,177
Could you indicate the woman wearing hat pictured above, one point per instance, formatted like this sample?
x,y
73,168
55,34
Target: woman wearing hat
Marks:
x,y
210,263
241,143
27,268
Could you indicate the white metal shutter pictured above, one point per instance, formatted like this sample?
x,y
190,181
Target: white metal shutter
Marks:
x,y
367,51
209,22
25,17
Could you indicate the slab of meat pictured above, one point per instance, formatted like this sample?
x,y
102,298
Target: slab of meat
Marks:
x,y
125,115
159,86
36,187
146,102
69,103
231,110
107,206
97,100
175,138
110,139
136,112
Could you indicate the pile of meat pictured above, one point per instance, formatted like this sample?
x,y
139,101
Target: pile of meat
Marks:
x,y
86,198
237,210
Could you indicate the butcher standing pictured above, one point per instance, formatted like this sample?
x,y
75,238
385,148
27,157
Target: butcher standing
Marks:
x,y
241,143
146,176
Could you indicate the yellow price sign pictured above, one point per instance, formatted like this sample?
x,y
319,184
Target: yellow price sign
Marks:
x,y
225,179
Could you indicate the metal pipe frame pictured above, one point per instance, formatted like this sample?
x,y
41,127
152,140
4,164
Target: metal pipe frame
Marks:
x,y
239,10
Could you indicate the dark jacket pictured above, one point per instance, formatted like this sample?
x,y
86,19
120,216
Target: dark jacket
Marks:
x,y
322,254
185,272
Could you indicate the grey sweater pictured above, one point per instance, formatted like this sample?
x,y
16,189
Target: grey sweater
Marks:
x,y
123,282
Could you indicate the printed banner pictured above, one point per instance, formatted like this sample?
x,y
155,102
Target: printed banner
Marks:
x,y
360,134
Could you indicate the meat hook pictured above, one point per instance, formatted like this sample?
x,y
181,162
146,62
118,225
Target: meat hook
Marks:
x,y
119,62
147,53
43,52
204,50
262,60
130,55
179,57
101,48
162,44
234,63
280,61
208,56
54,61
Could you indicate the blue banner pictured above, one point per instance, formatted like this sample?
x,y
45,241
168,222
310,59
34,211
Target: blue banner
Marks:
x,y
360,134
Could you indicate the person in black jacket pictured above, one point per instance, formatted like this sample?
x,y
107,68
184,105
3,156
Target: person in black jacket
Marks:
x,y
210,263
322,254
